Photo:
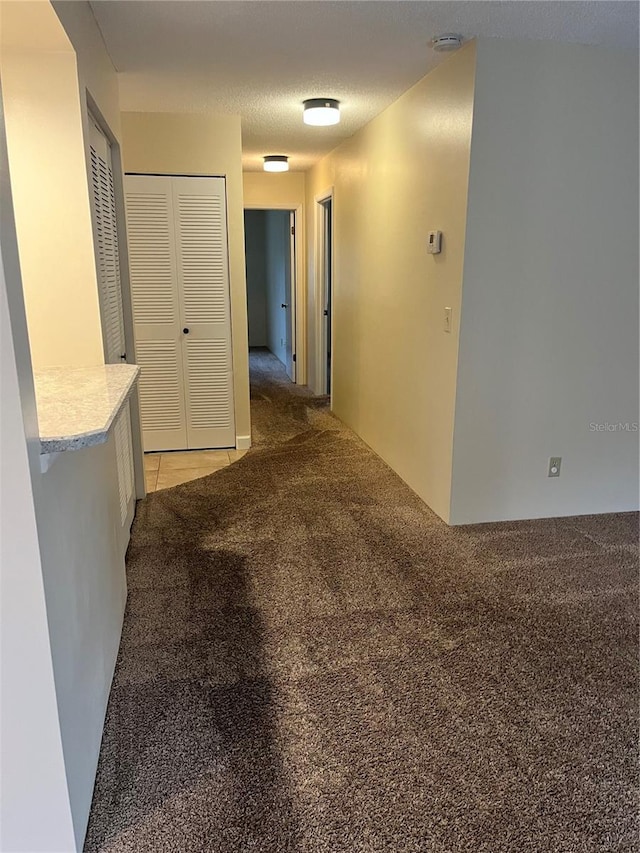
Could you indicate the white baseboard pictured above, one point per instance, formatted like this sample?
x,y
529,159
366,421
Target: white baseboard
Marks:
x,y
243,442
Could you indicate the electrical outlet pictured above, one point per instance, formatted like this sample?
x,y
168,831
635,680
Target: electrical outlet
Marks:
x,y
554,466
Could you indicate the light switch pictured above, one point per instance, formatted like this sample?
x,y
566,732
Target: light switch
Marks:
x,y
434,242
447,319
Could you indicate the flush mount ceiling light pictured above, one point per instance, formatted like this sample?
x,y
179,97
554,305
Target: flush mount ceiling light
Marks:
x,y
276,163
447,41
321,111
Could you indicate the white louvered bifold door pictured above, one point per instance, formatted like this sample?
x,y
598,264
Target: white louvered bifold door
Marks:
x,y
156,311
110,292
104,209
179,269
203,281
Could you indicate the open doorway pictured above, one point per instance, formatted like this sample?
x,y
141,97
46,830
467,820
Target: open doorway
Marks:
x,y
270,250
324,302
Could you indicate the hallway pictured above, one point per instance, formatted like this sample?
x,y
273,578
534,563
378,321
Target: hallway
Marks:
x,y
312,661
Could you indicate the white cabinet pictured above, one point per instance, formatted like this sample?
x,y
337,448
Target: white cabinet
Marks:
x,y
179,269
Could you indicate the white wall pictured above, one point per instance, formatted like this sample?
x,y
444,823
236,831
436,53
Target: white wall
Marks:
x,y
256,262
85,587
394,366
549,337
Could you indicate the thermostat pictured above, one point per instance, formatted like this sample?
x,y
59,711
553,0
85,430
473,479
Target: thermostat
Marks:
x,y
434,242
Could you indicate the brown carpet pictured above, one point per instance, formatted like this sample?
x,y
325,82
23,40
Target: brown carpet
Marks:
x,y
312,661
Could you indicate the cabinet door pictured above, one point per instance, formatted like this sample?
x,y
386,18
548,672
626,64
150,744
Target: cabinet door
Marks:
x,y
156,311
203,284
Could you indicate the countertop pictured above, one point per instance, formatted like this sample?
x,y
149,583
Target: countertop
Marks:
x,y
78,405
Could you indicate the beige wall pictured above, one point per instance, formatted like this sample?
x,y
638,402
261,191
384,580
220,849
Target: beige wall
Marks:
x,y
549,340
394,366
188,144
76,505
264,189
32,766
50,188
95,69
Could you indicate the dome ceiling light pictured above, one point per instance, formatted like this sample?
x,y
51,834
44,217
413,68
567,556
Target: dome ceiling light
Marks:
x,y
276,163
321,112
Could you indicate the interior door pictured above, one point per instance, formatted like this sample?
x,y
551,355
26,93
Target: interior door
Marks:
x,y
327,285
156,311
110,295
203,285
179,273
290,298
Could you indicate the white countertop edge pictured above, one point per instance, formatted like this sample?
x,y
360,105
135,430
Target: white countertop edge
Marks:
x,y
58,444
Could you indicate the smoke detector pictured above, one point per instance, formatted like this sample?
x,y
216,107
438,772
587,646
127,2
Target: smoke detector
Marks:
x,y
447,41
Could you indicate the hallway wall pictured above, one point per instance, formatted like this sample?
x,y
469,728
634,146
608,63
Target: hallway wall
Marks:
x,y
395,367
549,339
76,501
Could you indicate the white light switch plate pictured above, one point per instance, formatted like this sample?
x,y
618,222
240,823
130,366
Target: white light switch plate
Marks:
x,y
434,242
447,319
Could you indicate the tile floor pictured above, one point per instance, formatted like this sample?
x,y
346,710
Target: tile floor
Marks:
x,y
163,470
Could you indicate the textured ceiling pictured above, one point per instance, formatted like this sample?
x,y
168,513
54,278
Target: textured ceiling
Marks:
x,y
262,59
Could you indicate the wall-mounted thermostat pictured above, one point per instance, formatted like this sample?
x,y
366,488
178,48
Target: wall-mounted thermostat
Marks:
x,y
434,242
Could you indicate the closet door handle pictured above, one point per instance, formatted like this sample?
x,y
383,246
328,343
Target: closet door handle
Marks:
x,y
185,330
284,305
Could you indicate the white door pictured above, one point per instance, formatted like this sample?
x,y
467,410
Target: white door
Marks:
x,y
156,312
180,292
110,292
290,299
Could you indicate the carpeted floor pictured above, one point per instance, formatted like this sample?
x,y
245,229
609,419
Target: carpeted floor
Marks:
x,y
312,661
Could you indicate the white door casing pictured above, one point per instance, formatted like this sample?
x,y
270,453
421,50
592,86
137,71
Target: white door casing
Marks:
x,y
290,299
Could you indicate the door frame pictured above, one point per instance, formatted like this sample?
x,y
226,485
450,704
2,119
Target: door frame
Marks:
x,y
298,289
92,113
320,291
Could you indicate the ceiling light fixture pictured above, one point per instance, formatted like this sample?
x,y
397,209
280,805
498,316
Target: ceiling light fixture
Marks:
x,y
447,41
276,163
321,111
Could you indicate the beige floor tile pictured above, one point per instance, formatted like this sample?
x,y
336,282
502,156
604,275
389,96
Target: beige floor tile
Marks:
x,y
176,476
151,461
151,478
234,455
193,459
